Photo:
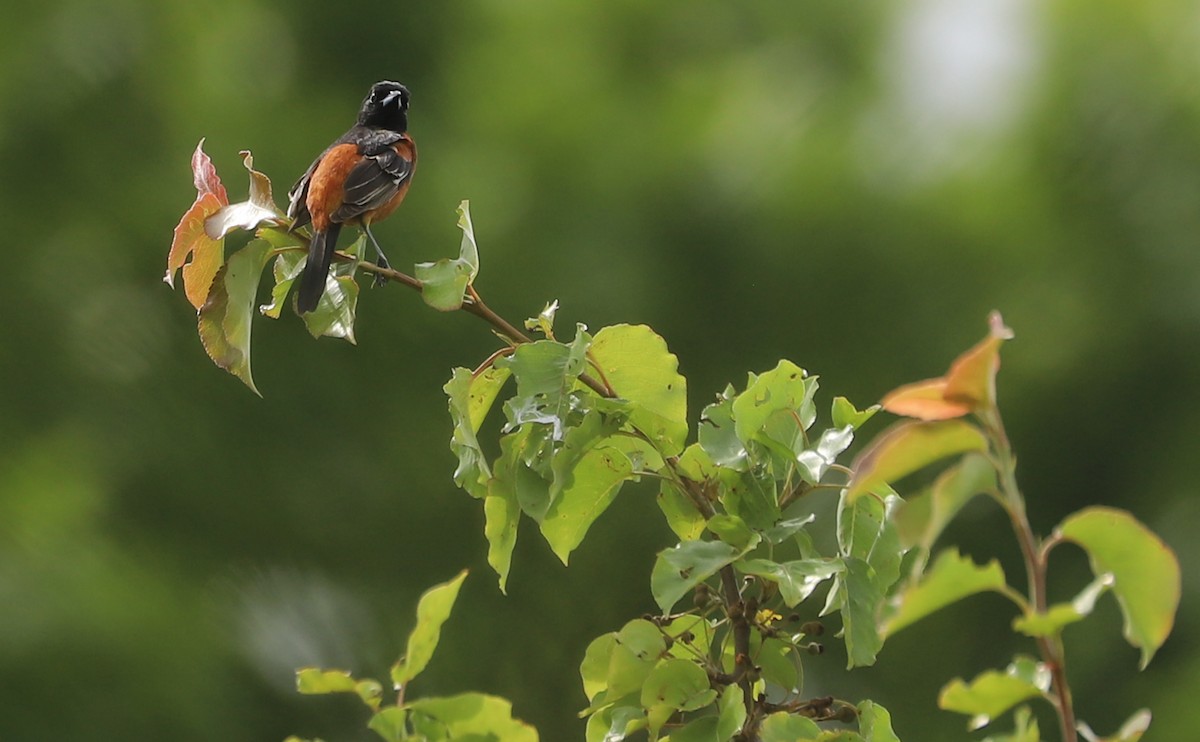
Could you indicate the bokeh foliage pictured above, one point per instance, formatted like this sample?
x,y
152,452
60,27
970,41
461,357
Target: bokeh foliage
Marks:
x,y
848,185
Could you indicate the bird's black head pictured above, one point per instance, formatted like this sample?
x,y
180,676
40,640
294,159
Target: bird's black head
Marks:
x,y
385,107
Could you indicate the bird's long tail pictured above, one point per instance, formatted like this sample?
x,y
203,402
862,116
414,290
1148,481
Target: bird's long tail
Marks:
x,y
320,257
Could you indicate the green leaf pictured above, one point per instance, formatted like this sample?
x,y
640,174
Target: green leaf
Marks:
x,y
593,670
501,515
682,516
1025,728
286,269
1146,575
615,724
390,723
844,413
546,372
921,519
637,365
814,462
638,647
732,530
679,569
860,598
750,495
336,310
784,389
224,319
432,611
674,685
703,729
1059,615
992,693
952,578
717,435
315,681
910,446
444,283
780,664
468,251
875,723
469,398
731,712
597,478
475,716
783,727
796,579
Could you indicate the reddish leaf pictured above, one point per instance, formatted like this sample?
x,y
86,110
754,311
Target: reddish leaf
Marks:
x,y
972,377
924,400
192,241
204,175
910,446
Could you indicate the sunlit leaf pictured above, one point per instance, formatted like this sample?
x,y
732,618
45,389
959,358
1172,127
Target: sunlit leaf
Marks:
x,y
475,716
616,724
717,435
502,513
751,495
224,322
875,723
1146,575
908,447
443,283
843,413
675,685
1131,731
593,670
637,365
861,597
784,727
638,647
336,310
466,395
468,251
546,372
680,568
544,321
952,578
596,478
287,268
432,611
796,579
315,681
1061,614
814,462
972,376
732,530
992,693
207,254
682,516
924,400
784,389
247,215
1025,728
390,723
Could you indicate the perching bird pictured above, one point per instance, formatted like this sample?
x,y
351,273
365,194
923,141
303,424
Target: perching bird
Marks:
x,y
359,179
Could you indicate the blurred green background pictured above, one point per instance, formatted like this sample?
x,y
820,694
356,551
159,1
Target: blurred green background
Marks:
x,y
849,185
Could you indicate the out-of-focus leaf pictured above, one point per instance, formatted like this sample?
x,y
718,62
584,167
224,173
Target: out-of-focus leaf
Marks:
x,y
616,724
796,579
992,693
639,368
502,513
432,611
732,530
1131,731
1061,614
390,723
475,716
1146,575
682,567
315,681
1025,728
922,518
224,321
952,578
466,394
910,446
969,385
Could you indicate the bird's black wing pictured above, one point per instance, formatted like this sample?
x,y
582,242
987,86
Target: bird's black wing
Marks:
x,y
373,182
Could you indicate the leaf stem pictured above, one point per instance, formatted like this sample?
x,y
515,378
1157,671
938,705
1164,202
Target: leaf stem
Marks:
x,y
1035,558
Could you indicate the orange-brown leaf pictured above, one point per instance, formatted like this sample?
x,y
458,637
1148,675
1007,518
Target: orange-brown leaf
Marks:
x,y
924,400
191,240
972,377
204,175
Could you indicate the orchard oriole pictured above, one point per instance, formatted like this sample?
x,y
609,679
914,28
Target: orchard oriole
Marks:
x,y
359,179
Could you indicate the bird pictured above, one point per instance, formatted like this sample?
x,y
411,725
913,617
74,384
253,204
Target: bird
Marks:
x,y
358,180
